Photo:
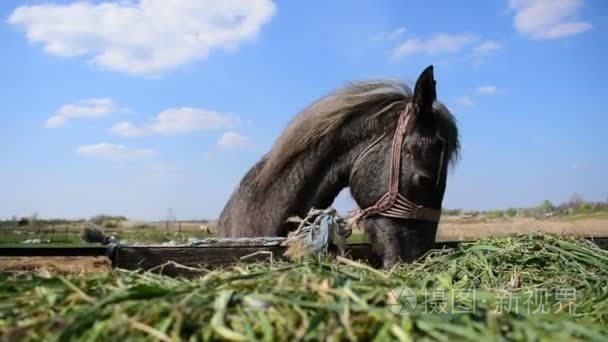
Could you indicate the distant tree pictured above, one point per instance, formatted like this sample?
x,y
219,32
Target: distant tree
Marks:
x,y
511,212
576,200
110,224
586,208
103,220
495,214
33,218
547,207
24,221
452,211
98,219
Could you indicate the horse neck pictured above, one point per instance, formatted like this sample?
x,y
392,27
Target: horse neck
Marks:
x,y
313,179
316,177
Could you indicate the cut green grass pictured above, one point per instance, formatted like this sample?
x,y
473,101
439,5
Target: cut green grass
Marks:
x,y
465,294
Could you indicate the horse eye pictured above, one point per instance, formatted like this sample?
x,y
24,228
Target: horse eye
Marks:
x,y
422,180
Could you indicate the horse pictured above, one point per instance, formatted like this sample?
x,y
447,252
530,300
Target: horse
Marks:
x,y
353,137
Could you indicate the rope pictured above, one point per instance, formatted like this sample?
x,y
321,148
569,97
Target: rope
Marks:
x,y
316,232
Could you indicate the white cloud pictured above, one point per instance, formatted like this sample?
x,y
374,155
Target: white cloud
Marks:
x,y
394,34
232,140
466,101
487,90
469,101
90,108
127,129
174,121
439,43
548,19
486,48
145,36
114,152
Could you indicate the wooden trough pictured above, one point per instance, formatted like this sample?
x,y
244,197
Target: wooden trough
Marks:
x,y
153,257
166,257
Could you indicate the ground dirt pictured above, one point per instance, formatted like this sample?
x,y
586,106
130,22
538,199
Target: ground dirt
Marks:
x,y
453,229
55,265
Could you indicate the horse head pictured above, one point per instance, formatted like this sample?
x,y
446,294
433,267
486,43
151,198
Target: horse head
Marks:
x,y
415,168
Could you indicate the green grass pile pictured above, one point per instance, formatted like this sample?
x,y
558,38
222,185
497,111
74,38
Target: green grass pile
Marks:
x,y
530,287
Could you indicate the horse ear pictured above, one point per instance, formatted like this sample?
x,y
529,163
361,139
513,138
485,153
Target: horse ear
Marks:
x,y
424,91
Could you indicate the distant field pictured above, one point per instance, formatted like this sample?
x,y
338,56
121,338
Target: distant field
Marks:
x,y
129,232
458,229
451,228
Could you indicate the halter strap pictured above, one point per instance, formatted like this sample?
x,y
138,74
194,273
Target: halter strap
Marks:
x,y
393,204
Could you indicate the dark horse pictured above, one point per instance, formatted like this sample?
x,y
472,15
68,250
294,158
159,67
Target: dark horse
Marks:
x,y
344,140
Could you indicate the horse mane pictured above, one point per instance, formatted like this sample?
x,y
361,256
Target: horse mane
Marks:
x,y
449,130
326,115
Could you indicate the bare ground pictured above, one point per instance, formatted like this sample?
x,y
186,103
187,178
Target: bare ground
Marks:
x,y
457,230
55,265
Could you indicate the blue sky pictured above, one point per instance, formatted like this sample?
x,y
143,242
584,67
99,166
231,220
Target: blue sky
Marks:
x,y
132,107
